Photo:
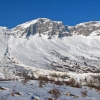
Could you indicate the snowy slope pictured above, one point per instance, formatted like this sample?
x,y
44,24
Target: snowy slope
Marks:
x,y
48,45
40,52
3,41
32,89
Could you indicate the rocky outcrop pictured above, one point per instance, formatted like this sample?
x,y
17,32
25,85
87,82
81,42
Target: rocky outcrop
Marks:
x,y
55,28
43,26
85,29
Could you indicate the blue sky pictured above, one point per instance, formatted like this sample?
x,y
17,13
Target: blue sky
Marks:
x,y
71,12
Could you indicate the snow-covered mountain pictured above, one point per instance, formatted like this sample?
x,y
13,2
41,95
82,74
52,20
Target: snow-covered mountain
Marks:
x,y
91,28
51,28
41,26
51,45
53,56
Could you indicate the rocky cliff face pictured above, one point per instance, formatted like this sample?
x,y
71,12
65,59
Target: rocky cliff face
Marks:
x,y
55,28
85,29
42,26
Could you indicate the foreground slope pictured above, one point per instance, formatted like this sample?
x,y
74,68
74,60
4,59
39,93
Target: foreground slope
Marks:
x,y
32,89
41,52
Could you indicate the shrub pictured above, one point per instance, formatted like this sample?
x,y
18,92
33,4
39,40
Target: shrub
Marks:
x,y
55,93
66,83
41,83
58,82
13,93
43,78
26,77
72,81
84,93
93,81
63,76
49,99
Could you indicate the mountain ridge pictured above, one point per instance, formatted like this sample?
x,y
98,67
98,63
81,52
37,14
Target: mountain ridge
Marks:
x,y
52,28
86,28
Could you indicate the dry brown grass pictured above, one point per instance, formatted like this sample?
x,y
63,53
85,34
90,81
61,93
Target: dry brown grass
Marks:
x,y
55,93
93,82
84,93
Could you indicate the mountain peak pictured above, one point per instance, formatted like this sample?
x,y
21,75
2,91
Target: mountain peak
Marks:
x,y
38,20
41,26
86,28
50,28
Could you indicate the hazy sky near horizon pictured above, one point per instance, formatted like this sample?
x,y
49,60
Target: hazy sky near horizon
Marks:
x,y
70,12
